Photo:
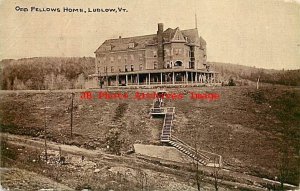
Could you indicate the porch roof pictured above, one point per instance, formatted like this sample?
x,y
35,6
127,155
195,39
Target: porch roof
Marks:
x,y
157,71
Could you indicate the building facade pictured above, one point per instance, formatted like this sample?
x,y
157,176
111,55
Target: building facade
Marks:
x,y
170,56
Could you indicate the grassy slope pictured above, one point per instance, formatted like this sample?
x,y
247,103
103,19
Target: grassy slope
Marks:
x,y
248,128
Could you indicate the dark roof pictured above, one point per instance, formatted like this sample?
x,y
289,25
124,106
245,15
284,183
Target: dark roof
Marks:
x,y
140,42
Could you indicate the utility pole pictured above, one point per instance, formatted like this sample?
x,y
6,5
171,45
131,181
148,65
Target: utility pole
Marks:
x,y
45,134
72,100
45,131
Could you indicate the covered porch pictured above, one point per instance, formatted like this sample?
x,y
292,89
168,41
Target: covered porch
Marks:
x,y
163,77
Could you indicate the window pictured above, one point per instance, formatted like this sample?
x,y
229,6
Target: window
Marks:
x,y
109,47
112,69
126,69
141,67
154,54
168,64
176,51
131,45
131,68
141,56
178,63
155,65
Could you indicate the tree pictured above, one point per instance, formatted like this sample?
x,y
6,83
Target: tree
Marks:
x,y
113,141
216,175
142,180
231,82
199,175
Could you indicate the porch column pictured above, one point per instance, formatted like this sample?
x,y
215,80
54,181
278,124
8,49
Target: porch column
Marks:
x,y
161,78
117,81
138,79
173,78
187,77
149,79
192,76
214,78
126,80
196,77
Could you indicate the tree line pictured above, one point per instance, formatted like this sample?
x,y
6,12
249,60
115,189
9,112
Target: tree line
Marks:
x,y
45,73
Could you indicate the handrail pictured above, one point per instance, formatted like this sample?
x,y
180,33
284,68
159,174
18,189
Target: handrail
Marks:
x,y
191,148
203,151
168,134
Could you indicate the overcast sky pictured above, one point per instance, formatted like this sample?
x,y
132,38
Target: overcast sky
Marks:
x,y
261,33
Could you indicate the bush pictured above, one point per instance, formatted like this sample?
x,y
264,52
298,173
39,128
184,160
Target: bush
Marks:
x,y
231,82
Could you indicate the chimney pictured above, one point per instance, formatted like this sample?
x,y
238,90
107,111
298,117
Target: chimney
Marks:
x,y
160,28
160,46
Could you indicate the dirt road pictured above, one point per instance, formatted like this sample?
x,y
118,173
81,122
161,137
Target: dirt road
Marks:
x,y
232,179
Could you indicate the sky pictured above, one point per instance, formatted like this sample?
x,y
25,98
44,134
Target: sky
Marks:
x,y
260,33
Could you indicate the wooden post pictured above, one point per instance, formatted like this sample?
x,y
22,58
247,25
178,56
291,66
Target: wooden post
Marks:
x,y
173,78
187,77
126,80
161,78
72,100
45,134
149,78
45,130
192,76
196,77
214,78
138,79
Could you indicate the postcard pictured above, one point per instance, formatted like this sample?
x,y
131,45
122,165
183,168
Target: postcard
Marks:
x,y
149,95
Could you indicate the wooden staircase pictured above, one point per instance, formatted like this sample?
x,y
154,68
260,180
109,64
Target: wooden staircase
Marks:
x,y
167,127
191,152
203,157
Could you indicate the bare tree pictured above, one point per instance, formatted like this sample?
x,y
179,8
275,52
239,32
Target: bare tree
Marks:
x,y
216,176
199,175
142,180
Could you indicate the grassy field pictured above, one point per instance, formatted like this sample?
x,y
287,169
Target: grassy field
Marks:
x,y
256,131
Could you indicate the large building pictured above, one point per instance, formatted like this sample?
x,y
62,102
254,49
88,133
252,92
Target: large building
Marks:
x,y
169,57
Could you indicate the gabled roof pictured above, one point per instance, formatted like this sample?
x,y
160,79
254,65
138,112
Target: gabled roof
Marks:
x,y
140,42
169,34
122,43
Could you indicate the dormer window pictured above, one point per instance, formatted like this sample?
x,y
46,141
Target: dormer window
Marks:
x,y
106,48
131,45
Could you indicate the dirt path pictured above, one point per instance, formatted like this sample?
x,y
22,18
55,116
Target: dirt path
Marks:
x,y
253,183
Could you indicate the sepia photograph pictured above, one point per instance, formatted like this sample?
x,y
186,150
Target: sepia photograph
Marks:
x,y
149,95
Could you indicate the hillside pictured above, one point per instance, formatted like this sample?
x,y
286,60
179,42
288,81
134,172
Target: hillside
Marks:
x,y
241,73
71,73
247,127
